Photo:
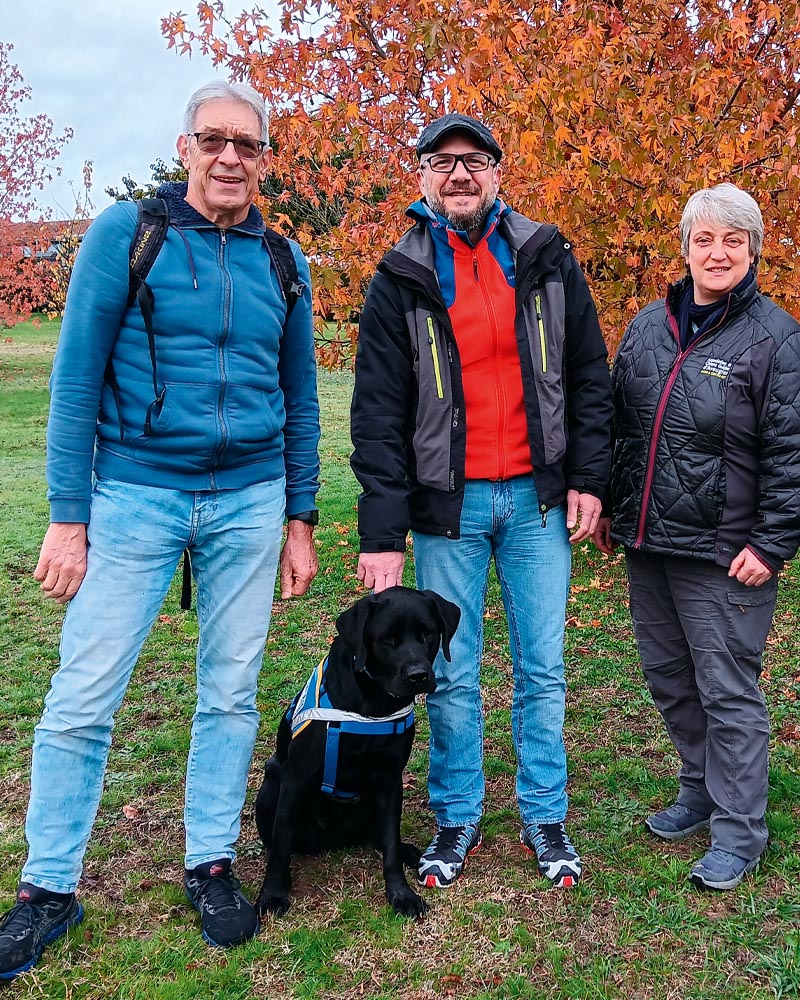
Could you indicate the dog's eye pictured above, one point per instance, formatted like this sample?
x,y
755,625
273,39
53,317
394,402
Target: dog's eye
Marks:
x,y
390,640
427,637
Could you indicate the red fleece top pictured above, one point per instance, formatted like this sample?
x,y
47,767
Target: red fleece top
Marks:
x,y
482,315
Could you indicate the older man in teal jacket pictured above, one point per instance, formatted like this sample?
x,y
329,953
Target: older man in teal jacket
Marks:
x,y
205,446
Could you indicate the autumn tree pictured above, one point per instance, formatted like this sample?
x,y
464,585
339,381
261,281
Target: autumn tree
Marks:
x,y
160,173
67,236
610,116
27,148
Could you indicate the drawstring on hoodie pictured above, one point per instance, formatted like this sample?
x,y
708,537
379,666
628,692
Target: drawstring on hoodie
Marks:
x,y
188,254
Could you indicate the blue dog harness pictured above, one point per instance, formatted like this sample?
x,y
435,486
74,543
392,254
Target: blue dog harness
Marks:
x,y
314,705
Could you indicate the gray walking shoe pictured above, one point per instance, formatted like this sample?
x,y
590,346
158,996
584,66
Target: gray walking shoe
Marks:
x,y
677,822
721,870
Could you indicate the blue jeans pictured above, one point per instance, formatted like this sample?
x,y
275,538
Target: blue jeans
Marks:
x,y
500,520
136,537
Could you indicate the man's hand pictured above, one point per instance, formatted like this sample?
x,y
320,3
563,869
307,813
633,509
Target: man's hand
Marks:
x,y
379,570
299,562
62,561
748,569
602,536
583,513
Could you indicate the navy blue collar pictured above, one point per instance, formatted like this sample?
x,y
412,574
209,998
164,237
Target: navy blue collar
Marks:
x,y
184,216
694,320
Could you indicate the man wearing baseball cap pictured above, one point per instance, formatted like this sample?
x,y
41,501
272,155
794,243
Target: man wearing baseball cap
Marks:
x,y
481,423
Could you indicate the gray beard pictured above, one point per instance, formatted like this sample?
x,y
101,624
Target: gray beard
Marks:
x,y
466,221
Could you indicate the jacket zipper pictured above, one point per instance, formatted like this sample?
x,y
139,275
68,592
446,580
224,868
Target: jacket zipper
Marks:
x,y
658,420
435,355
221,354
538,302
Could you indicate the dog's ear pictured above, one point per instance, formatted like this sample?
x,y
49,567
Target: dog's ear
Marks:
x,y
352,626
448,614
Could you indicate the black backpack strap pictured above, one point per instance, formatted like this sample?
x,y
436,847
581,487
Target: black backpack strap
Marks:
x,y
186,582
282,257
152,222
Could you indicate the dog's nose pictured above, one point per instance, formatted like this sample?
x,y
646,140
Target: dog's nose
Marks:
x,y
417,675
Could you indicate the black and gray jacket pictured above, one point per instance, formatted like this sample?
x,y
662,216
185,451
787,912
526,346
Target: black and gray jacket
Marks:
x,y
408,417
707,440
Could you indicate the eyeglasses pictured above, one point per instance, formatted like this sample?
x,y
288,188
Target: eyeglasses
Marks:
x,y
445,163
213,144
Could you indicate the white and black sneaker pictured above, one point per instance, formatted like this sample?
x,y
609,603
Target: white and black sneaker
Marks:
x,y
558,860
444,860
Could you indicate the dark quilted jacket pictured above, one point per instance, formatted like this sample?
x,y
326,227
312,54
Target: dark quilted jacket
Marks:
x,y
707,450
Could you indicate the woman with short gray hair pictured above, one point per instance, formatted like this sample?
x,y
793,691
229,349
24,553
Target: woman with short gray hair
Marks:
x,y
705,498
728,206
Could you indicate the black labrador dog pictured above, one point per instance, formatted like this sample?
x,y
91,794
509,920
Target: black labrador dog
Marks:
x,y
336,779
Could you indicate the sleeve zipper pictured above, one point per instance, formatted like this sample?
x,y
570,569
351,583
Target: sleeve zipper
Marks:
x,y
435,355
538,302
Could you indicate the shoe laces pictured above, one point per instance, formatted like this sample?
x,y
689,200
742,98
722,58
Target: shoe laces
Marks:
x,y
725,857
219,892
19,920
452,838
548,837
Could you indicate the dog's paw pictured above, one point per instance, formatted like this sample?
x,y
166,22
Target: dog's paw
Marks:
x,y
407,903
410,854
277,905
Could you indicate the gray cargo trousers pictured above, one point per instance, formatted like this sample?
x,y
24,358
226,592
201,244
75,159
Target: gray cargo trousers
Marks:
x,y
701,635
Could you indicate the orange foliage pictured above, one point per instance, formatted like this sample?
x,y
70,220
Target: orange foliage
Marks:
x,y
25,283
27,146
610,116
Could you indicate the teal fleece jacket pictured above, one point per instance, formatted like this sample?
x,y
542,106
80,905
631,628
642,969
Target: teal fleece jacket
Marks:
x,y
239,402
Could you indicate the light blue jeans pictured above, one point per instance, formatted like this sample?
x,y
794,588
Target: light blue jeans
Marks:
x,y
500,520
136,537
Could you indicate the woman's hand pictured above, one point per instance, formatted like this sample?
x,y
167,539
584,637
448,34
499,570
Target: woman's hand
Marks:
x,y
748,569
601,536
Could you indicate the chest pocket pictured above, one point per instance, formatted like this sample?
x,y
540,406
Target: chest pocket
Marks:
x,y
544,322
435,417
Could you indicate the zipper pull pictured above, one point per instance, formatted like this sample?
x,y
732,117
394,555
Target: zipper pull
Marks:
x,y
543,509
223,237
475,264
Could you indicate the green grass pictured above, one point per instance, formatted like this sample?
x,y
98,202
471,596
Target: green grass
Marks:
x,y
633,929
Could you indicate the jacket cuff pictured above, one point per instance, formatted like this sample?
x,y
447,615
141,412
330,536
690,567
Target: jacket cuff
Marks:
x,y
592,488
299,503
63,511
383,545
771,564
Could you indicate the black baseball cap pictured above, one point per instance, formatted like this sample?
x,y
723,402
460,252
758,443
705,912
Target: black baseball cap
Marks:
x,y
454,122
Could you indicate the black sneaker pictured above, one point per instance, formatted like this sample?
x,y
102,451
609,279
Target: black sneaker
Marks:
x,y
444,860
558,859
227,918
36,920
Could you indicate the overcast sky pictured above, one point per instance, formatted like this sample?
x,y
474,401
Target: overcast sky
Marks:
x,y
102,68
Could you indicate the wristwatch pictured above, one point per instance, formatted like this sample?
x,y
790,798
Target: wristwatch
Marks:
x,y
306,516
